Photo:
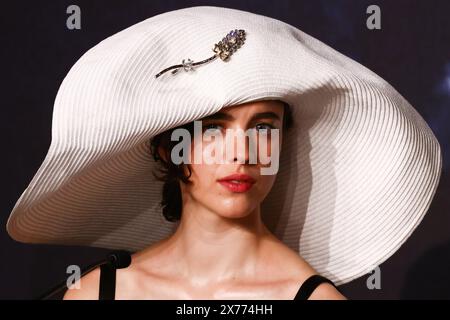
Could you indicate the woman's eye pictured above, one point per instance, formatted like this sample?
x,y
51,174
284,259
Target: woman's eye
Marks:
x,y
259,126
263,126
212,126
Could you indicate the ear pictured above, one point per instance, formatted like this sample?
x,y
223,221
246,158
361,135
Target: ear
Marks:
x,y
162,153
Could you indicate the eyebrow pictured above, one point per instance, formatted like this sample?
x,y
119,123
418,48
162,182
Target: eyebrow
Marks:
x,y
228,117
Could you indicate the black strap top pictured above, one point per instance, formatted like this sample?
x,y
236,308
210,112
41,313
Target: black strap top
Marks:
x,y
108,284
309,285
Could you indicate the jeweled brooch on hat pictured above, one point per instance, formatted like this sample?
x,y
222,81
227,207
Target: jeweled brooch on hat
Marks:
x,y
224,49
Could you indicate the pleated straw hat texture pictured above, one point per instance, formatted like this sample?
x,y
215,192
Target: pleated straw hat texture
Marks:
x,y
357,172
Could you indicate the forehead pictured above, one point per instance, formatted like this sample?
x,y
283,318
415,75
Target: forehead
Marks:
x,y
255,107
264,109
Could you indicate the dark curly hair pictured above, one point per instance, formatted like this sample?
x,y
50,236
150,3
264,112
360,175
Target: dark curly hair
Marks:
x,y
172,174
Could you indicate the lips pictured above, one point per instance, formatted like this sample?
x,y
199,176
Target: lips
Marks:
x,y
237,182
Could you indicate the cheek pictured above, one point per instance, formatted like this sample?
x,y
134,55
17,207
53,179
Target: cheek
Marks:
x,y
203,176
271,143
265,184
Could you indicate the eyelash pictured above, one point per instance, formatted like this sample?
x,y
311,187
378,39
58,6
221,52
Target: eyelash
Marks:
x,y
214,125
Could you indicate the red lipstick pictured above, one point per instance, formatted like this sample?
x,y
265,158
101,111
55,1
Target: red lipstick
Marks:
x,y
238,182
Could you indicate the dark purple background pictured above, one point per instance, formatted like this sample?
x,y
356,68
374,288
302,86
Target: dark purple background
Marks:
x,y
411,51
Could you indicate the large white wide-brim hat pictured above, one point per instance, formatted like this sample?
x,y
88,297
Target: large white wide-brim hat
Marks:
x,y
357,172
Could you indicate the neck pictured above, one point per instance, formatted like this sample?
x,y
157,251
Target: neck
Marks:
x,y
211,248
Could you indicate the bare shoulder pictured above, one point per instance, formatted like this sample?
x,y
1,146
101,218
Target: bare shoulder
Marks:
x,y
297,269
325,290
129,281
86,288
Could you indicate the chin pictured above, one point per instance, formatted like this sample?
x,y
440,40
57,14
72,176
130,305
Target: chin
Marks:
x,y
234,215
234,210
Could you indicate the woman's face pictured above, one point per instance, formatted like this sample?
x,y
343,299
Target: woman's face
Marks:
x,y
213,184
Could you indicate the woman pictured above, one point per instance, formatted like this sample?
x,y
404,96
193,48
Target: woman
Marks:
x,y
355,175
222,248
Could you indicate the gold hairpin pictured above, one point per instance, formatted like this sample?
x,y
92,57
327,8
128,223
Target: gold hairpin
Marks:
x,y
224,49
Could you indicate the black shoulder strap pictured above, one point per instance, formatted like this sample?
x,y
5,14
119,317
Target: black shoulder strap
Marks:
x,y
107,288
309,285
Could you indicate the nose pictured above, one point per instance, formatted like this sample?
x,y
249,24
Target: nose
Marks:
x,y
241,145
241,153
